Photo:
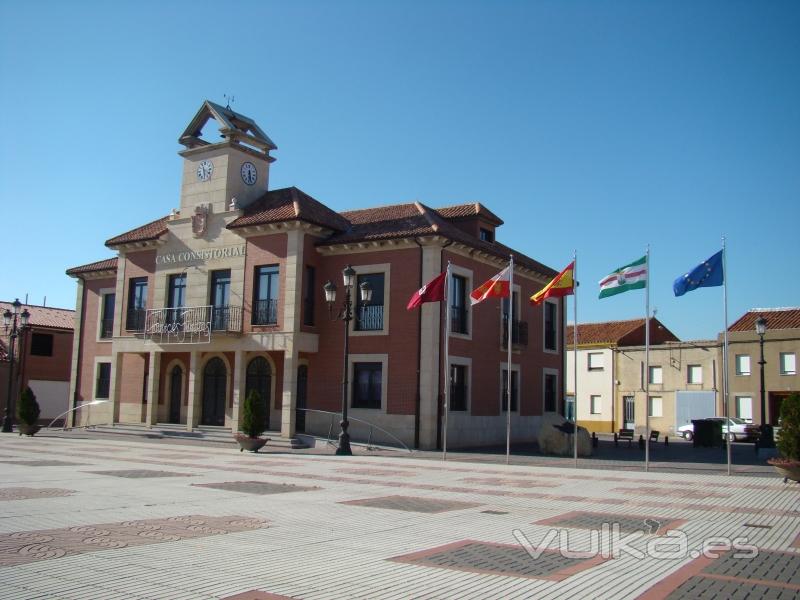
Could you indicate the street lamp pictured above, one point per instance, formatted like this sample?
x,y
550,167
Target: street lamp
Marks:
x,y
346,315
766,439
13,331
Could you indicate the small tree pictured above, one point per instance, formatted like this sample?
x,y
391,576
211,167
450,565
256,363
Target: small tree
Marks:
x,y
253,416
789,439
27,408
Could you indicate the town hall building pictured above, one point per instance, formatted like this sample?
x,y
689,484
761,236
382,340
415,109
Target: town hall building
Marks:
x,y
225,294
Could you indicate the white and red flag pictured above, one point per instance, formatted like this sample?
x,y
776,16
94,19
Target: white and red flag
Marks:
x,y
433,291
496,287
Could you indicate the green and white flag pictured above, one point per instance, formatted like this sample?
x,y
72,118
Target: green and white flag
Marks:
x,y
632,276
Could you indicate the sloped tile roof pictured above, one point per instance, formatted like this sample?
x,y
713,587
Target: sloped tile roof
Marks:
x,y
289,204
100,265
777,318
619,333
151,231
463,211
45,316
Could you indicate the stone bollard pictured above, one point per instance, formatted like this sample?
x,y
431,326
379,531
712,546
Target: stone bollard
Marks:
x,y
616,440
595,441
666,441
641,442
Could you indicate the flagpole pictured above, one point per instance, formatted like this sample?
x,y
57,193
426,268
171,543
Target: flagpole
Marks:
x,y
446,360
725,352
575,343
647,362
508,361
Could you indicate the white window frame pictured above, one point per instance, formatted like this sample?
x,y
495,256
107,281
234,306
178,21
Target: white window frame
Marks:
x,y
468,286
738,402
384,268
557,304
589,361
689,370
465,362
652,371
514,368
737,362
595,404
554,372
373,358
101,302
784,366
651,405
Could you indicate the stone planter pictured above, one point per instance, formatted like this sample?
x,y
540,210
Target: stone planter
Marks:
x,y
788,469
25,429
251,444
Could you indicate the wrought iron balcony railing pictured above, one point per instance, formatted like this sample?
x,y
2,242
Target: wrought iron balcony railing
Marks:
x,y
106,328
191,324
370,318
265,312
135,319
458,319
519,333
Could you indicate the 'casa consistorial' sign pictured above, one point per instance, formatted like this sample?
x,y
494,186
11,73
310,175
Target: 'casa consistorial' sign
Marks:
x,y
208,255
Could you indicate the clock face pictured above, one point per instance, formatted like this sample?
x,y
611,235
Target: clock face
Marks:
x,y
249,174
204,170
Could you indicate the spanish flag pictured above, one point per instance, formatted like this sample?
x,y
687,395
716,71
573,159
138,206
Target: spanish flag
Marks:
x,y
562,285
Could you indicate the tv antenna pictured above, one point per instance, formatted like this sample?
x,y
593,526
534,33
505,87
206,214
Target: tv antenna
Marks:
x,y
229,100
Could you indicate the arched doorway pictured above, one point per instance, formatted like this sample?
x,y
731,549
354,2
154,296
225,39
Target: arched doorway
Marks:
x,y
175,394
215,379
259,378
302,396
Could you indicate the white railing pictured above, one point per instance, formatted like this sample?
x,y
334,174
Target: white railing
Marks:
x,y
184,325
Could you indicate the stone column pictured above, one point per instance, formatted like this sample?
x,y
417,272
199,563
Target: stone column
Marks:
x,y
238,389
76,365
289,404
115,385
430,360
291,324
193,391
153,370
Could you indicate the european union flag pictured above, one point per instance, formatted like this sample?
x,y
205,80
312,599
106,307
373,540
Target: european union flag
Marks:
x,y
707,274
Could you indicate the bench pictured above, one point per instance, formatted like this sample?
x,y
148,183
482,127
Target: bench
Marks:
x,y
623,434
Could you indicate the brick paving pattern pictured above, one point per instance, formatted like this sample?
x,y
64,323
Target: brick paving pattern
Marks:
x,y
412,504
700,588
625,523
256,487
43,463
140,473
24,493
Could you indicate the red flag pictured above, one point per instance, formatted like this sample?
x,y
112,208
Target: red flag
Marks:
x,y
433,291
496,287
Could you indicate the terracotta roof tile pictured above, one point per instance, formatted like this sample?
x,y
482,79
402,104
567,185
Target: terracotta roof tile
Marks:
x,y
463,211
289,204
777,318
45,316
101,265
619,333
151,231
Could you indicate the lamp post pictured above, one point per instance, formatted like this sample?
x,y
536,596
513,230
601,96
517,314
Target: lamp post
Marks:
x,y
346,315
13,331
766,439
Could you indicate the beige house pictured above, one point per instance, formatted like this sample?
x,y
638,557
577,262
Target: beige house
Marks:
x,y
781,348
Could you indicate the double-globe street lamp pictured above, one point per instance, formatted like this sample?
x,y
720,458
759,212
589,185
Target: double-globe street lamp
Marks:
x,y
13,330
766,439
346,315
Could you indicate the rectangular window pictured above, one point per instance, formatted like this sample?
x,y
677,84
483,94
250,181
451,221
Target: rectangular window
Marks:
x,y
458,387
220,296
309,289
137,304
694,374
550,403
788,363
519,328
596,361
369,316
655,407
744,408
107,317
594,405
656,375
458,304
570,408
367,385
486,235
514,390
265,295
103,380
41,344
550,326
176,296
742,364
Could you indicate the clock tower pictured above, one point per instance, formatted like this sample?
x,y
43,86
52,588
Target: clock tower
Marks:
x,y
216,172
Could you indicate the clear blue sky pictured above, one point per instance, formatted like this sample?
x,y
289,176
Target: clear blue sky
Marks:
x,y
595,126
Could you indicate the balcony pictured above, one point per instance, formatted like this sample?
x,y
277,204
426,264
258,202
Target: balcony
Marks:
x,y
135,319
106,328
265,312
519,333
191,324
370,318
458,319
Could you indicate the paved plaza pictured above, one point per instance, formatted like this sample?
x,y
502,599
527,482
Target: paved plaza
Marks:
x,y
116,517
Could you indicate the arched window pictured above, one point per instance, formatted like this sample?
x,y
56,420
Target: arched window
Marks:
x,y
215,379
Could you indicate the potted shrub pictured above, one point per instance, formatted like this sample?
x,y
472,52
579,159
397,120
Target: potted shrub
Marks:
x,y
788,442
252,424
27,413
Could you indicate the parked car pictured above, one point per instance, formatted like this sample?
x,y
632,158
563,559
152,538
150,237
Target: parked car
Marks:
x,y
741,430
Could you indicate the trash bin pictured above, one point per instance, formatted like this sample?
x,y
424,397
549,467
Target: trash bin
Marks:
x,y
707,433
